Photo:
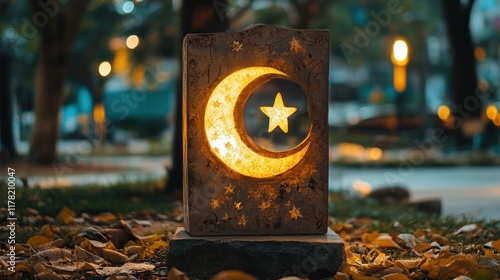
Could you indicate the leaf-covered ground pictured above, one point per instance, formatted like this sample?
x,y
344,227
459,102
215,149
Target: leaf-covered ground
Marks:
x,y
123,233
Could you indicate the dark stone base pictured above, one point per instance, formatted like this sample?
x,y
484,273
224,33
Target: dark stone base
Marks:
x,y
265,257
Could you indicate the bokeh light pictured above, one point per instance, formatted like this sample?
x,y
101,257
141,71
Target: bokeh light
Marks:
x,y
132,41
104,68
491,112
128,7
400,51
443,112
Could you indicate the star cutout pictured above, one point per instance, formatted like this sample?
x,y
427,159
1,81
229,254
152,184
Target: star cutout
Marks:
x,y
243,220
215,204
264,205
229,189
278,114
238,206
237,46
295,213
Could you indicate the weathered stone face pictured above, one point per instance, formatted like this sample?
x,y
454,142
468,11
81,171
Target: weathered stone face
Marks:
x,y
232,184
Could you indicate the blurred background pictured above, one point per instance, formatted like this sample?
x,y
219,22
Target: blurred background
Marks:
x,y
414,85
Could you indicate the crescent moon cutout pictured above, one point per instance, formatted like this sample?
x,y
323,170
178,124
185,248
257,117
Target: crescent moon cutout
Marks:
x,y
222,132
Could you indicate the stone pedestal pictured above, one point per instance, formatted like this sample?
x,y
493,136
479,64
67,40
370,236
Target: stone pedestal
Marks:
x,y
265,257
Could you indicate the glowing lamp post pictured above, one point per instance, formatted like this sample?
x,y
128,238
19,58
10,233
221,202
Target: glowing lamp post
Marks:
x,y
400,59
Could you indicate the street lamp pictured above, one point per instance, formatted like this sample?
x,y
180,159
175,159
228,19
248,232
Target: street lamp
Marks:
x,y
400,60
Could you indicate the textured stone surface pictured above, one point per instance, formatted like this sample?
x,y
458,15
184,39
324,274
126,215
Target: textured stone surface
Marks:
x,y
219,200
265,257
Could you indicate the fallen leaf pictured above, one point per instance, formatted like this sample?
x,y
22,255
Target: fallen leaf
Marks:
x,y
54,254
407,239
385,241
439,239
58,243
420,247
466,229
233,275
369,237
37,240
48,231
409,264
66,216
113,256
358,276
494,245
128,268
48,275
395,276
104,218
84,255
134,249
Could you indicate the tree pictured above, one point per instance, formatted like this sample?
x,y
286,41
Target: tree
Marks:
x,y
57,25
464,78
198,16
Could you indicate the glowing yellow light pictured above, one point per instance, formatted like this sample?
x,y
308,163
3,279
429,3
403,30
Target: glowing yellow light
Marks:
x,y
132,41
362,187
443,112
221,129
399,78
375,154
496,121
491,112
99,113
104,68
278,114
400,52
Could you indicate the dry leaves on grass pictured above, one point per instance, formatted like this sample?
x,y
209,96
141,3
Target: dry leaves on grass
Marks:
x,y
423,254
129,248
89,251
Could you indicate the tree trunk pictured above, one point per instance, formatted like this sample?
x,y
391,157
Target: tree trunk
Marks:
x,y
198,16
464,78
57,34
50,77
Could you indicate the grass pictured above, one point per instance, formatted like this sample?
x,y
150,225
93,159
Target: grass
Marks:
x,y
121,198
403,218
129,197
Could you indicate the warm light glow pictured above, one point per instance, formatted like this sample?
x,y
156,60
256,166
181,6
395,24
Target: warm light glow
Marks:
x,y
132,41
104,68
491,112
400,52
278,114
99,113
222,134
374,154
443,112
362,187
496,121
480,54
399,78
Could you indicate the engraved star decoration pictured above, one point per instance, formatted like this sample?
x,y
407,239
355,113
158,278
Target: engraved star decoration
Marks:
x,y
278,114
